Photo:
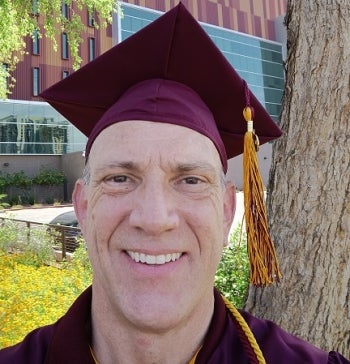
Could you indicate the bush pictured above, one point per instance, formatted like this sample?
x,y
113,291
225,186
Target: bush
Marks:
x,y
18,179
34,244
49,177
3,204
232,276
20,188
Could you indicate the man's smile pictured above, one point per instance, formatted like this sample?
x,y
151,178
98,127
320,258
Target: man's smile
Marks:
x,y
153,259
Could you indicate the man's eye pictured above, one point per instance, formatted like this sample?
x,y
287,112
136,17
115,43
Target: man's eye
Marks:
x,y
119,179
192,180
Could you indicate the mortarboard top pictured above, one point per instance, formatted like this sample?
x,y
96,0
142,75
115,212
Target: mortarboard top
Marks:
x,y
172,72
174,47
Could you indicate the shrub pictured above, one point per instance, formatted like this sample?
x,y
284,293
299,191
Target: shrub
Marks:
x,y
34,244
3,204
49,177
20,190
232,276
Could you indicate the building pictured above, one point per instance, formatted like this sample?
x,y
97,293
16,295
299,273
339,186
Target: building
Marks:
x,y
244,30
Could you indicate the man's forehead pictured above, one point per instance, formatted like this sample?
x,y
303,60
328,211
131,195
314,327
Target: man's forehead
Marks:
x,y
134,142
149,132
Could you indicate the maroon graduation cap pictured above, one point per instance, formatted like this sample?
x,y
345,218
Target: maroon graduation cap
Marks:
x,y
176,48
172,72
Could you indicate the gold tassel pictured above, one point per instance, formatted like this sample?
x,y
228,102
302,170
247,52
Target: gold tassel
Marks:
x,y
264,268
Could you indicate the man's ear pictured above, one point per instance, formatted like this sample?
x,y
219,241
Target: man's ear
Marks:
x,y
80,202
229,208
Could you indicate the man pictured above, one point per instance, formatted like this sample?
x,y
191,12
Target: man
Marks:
x,y
155,209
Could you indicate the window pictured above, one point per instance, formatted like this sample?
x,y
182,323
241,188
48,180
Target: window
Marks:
x,y
35,7
36,81
5,74
64,46
91,49
65,74
65,9
91,19
35,42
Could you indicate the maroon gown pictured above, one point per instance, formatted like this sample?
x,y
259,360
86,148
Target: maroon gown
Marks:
x,y
67,341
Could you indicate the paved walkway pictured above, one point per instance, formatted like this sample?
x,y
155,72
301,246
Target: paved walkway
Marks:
x,y
37,214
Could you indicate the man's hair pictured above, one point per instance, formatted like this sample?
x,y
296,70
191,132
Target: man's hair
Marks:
x,y
86,173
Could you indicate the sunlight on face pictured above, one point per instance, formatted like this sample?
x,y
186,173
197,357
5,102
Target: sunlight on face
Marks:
x,y
155,215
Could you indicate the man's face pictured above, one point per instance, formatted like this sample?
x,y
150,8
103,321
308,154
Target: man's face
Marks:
x,y
155,215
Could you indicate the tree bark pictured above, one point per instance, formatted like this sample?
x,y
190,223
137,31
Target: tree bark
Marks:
x,y
309,191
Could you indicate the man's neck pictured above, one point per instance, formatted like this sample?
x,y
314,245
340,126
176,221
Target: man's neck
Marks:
x,y
115,342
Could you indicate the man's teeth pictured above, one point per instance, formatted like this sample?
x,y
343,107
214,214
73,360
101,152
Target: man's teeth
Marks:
x,y
153,259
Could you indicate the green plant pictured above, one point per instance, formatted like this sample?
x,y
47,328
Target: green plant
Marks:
x,y
49,177
9,239
18,179
232,276
3,204
34,243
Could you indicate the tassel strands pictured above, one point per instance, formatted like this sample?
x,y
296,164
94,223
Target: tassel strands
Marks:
x,y
264,268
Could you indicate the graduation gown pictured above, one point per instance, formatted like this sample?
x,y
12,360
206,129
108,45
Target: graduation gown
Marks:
x,y
67,341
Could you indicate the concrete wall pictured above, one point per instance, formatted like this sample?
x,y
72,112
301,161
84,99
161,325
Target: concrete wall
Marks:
x,y
71,164
30,163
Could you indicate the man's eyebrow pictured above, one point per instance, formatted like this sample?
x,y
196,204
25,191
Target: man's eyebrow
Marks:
x,y
188,167
124,165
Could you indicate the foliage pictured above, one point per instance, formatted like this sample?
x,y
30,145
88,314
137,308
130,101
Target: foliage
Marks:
x,y
19,19
232,276
18,179
34,242
81,255
49,177
33,293
45,177
3,204
32,296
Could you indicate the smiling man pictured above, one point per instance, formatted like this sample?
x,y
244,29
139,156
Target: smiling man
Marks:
x,y
163,113
156,215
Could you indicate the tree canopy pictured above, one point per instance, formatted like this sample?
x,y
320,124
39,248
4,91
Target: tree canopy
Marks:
x,y
19,19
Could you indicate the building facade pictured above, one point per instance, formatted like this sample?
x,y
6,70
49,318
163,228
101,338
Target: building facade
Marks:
x,y
244,30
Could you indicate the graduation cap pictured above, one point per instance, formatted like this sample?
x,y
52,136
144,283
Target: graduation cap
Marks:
x,y
172,72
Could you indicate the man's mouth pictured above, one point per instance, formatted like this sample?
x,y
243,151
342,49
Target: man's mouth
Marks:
x,y
153,259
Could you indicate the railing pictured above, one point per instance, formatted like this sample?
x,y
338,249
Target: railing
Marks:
x,y
65,238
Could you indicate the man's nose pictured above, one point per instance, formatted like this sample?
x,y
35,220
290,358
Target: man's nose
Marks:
x,y
154,210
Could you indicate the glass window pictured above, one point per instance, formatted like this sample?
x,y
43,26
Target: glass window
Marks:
x,y
31,127
64,46
35,7
91,19
65,10
256,60
92,53
35,44
36,81
65,74
4,74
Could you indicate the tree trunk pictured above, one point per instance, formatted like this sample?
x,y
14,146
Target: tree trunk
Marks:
x,y
309,196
